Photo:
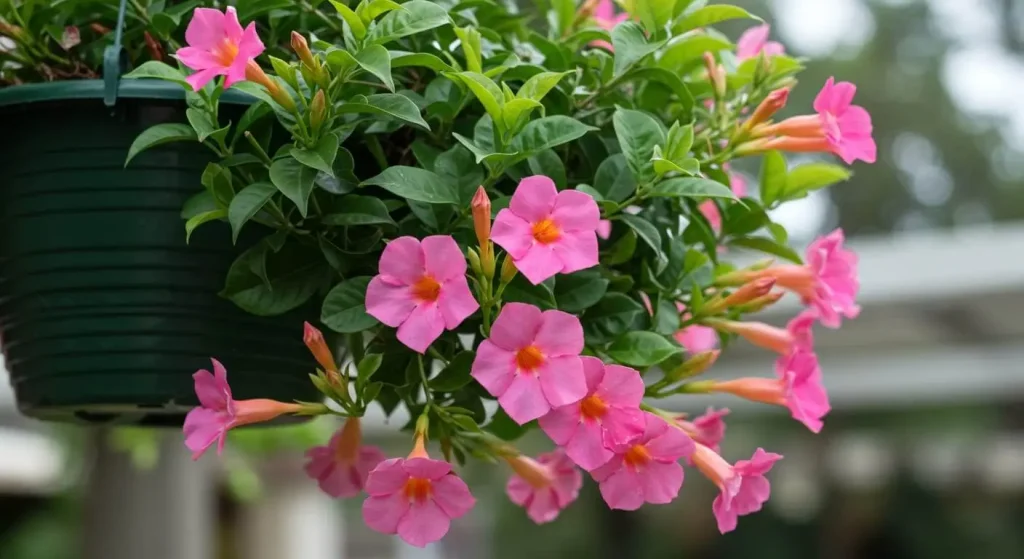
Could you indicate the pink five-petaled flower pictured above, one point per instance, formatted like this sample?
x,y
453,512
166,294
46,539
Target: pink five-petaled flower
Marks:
x,y
547,232
219,412
743,487
828,282
754,41
421,289
647,469
218,46
342,466
608,416
544,487
531,363
415,497
797,386
707,429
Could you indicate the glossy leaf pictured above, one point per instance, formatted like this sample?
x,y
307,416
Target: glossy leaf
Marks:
x,y
247,203
415,184
294,180
344,308
642,349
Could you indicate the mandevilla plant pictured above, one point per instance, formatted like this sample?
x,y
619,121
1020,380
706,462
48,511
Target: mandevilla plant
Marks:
x,y
372,167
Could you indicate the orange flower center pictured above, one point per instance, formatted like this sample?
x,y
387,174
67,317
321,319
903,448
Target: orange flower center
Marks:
x,y
529,358
426,289
226,52
417,489
593,407
545,231
637,456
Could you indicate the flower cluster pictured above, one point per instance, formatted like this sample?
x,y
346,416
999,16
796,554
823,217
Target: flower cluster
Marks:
x,y
573,286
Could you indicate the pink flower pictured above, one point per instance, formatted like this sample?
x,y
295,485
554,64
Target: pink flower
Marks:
x,y
754,41
707,429
219,412
531,362
342,466
218,46
798,335
421,289
605,16
797,386
743,487
416,498
544,487
697,338
847,126
604,229
710,209
646,470
608,416
828,281
548,232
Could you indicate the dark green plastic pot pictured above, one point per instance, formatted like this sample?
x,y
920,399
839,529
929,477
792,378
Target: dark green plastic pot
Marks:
x,y
105,312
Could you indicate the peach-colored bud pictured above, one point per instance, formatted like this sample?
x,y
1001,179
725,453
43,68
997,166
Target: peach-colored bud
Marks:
x,y
806,126
773,103
481,206
347,451
255,74
761,303
314,340
716,75
764,390
260,410
536,474
99,29
301,48
758,333
695,365
318,110
750,291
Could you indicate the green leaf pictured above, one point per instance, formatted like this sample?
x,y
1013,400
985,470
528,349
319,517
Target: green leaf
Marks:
x,y
539,85
457,166
481,154
367,366
811,177
354,22
344,307
691,187
773,178
709,15
666,78
666,317
614,180
294,180
662,166
360,210
744,218
549,164
254,113
646,231
267,283
376,60
520,290
631,46
685,54
470,39
579,291
200,122
638,134
642,349
158,135
247,203
415,184
370,9
401,59
485,90
217,181
388,104
546,133
200,219
518,110
614,314
654,14
321,157
414,17
158,71
768,246
455,375
343,180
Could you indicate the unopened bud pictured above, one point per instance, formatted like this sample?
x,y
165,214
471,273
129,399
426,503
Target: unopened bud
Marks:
x,y
474,262
301,48
761,303
10,30
314,340
695,365
481,206
745,294
255,74
773,103
318,110
508,269
99,29
758,333
716,75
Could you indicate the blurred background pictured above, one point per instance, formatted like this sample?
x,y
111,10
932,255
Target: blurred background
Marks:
x,y
923,455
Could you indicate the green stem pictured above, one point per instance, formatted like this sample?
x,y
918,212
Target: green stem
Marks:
x,y
426,385
258,148
378,151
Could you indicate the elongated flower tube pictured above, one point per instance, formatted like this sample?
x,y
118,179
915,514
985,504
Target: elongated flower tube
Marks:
x,y
342,466
545,486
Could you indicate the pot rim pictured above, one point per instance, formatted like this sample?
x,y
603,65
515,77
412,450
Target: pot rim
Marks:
x,y
94,89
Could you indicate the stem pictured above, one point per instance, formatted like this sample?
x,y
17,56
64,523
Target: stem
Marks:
x,y
378,151
259,149
437,355
426,385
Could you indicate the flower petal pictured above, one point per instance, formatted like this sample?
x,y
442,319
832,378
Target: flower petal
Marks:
x,y
383,513
512,233
661,482
593,372
524,400
206,28
389,303
622,426
196,58
443,259
494,368
544,507
560,333
539,263
388,477
576,250
201,429
518,490
534,198
587,448
622,490
199,79
403,260
424,325
250,46
426,468
456,302
561,424
725,516
621,386
424,523
453,496
561,379
575,211
232,27
516,326
671,445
